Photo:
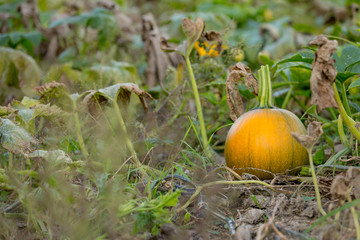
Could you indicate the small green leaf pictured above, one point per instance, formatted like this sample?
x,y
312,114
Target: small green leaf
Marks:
x,y
355,83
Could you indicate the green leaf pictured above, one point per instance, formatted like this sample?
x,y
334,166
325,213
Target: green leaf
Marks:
x,y
355,83
303,56
319,156
54,157
98,18
350,55
15,139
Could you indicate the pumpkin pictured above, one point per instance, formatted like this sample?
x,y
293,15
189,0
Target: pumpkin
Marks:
x,y
260,140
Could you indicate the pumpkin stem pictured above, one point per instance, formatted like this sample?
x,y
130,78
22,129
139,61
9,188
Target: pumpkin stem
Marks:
x,y
265,90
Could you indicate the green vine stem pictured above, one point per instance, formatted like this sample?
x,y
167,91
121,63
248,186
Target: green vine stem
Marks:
x,y
341,131
265,90
287,97
355,218
79,135
317,192
78,129
199,110
349,122
344,99
127,140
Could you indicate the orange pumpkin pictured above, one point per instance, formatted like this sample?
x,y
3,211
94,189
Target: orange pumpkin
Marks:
x,y
261,138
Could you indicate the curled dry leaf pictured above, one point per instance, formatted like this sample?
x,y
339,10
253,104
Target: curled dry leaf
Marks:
x,y
157,60
118,92
342,186
193,31
323,73
314,132
48,87
238,72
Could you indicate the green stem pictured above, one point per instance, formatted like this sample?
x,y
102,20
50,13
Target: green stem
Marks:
x,y
318,197
341,132
126,137
349,122
355,218
199,110
287,97
344,99
79,135
265,87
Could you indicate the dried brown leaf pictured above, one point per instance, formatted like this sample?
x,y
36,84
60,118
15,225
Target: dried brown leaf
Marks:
x,y
323,73
212,35
157,60
96,99
238,72
47,87
353,175
339,187
314,132
193,31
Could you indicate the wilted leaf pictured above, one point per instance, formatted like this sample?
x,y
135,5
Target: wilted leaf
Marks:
x,y
167,47
323,73
348,185
157,60
193,31
212,35
314,132
48,88
120,91
55,93
15,139
20,71
234,100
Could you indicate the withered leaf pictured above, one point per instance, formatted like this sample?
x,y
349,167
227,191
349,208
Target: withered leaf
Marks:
x,y
212,35
238,72
339,188
193,31
167,47
157,60
314,132
118,92
323,73
48,87
353,175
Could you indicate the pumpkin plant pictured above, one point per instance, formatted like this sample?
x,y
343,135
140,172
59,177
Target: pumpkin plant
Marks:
x,y
260,141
